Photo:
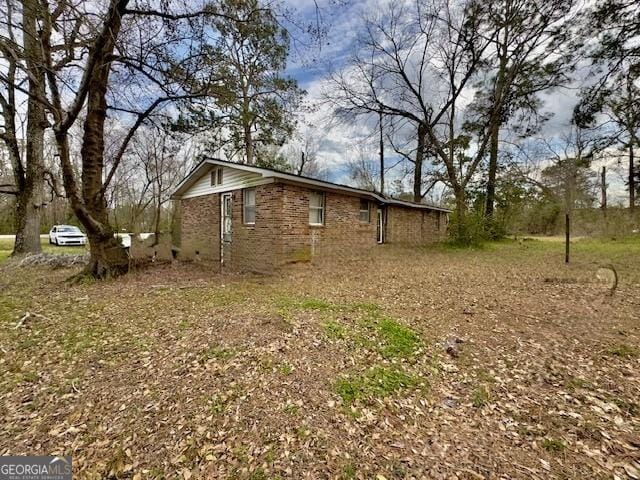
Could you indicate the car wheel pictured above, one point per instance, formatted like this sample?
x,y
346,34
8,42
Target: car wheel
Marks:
x,y
50,242
57,244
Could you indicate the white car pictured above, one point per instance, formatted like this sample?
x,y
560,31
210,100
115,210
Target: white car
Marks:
x,y
67,235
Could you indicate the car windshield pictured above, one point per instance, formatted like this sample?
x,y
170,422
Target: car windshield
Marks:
x,y
69,229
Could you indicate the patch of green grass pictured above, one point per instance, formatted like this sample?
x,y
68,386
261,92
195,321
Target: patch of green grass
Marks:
x,y
266,363
349,472
399,341
258,474
30,377
219,403
379,382
85,280
291,409
623,351
553,445
485,376
370,308
287,305
286,369
270,456
217,353
334,330
9,308
79,338
63,250
480,397
315,304
4,254
575,383
303,432
6,247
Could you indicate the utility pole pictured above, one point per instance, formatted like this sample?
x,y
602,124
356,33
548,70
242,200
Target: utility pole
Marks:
x,y
603,189
567,236
570,185
632,178
381,153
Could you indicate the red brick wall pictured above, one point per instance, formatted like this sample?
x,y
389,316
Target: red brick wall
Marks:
x,y
411,226
342,235
282,233
200,228
256,247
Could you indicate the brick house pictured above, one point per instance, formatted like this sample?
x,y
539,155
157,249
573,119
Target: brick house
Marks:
x,y
253,218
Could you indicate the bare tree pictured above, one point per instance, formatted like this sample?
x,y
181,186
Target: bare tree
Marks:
x,y
126,57
302,152
20,52
415,62
164,163
363,170
622,106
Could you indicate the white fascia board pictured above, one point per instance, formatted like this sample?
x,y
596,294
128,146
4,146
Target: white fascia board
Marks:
x,y
267,173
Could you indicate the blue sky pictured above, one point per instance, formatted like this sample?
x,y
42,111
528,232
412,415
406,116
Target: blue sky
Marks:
x,y
342,20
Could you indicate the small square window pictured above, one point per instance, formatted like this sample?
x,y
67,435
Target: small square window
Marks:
x,y
216,176
364,211
249,206
316,208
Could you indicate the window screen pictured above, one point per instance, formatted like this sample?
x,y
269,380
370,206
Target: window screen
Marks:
x,y
249,206
316,208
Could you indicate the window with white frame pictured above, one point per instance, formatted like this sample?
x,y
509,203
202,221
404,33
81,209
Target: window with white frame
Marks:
x,y
249,206
216,176
316,208
364,211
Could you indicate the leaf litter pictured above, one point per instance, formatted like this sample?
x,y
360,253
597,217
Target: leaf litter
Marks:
x,y
329,372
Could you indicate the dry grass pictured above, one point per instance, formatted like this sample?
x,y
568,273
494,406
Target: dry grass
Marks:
x,y
325,372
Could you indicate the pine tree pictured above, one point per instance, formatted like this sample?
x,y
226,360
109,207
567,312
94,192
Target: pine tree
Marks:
x,y
255,110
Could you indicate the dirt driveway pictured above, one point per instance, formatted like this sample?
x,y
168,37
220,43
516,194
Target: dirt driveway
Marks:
x,y
325,372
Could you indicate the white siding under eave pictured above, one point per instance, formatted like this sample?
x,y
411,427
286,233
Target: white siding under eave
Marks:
x,y
232,179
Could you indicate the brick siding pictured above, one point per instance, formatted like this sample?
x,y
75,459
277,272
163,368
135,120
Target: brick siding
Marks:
x,y
255,247
342,235
410,226
200,228
282,233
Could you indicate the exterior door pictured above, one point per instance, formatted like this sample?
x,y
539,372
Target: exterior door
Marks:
x,y
380,225
226,204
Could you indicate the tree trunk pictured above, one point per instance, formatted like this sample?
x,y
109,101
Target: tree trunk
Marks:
x,y
497,119
461,210
248,140
493,169
29,198
27,223
108,258
632,178
567,236
156,223
417,171
381,155
246,125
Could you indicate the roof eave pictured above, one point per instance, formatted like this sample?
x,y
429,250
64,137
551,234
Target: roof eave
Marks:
x,y
296,179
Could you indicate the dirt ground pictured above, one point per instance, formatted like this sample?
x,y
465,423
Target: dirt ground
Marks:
x,y
322,372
